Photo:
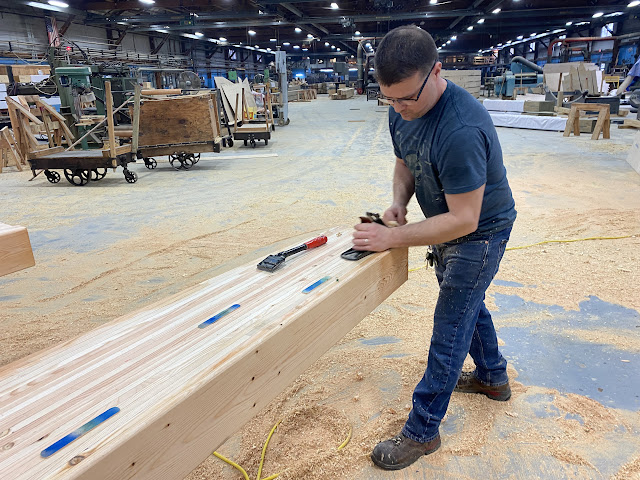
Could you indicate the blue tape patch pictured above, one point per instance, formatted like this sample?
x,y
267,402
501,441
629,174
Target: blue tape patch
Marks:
x,y
77,433
314,285
219,316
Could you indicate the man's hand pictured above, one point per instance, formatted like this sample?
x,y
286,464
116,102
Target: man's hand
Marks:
x,y
372,236
395,213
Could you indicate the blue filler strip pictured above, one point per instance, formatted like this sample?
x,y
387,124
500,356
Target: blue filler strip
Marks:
x,y
314,285
90,425
219,316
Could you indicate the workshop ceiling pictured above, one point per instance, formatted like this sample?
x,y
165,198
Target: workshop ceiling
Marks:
x,y
324,27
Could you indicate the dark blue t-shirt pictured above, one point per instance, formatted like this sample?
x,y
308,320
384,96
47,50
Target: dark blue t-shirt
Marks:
x,y
454,148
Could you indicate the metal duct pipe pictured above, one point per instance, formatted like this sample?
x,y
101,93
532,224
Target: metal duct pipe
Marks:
x,y
360,63
574,40
527,63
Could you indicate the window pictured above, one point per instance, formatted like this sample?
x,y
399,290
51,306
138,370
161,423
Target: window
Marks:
x,y
607,30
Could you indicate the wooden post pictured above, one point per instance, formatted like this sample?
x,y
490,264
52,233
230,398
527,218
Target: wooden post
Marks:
x,y
108,100
136,119
182,385
235,122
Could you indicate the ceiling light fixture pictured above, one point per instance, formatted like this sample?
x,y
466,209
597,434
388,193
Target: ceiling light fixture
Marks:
x,y
309,35
57,3
433,2
298,29
470,27
568,23
326,44
273,40
251,32
286,44
481,21
148,2
597,15
199,34
497,10
520,37
338,49
635,3
222,39
533,35
334,6
296,46
357,32
454,38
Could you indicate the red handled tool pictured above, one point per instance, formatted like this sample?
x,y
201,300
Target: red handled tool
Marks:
x,y
272,262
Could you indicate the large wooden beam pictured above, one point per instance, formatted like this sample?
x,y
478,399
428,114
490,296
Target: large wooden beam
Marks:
x,y
181,390
15,254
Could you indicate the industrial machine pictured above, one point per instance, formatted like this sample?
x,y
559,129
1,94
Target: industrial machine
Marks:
x,y
283,86
522,73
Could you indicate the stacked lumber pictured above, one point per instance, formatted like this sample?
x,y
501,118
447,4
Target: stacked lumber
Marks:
x,y
171,382
470,80
30,73
573,76
15,249
342,94
302,95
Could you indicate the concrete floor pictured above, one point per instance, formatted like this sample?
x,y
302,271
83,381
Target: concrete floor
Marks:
x,y
568,314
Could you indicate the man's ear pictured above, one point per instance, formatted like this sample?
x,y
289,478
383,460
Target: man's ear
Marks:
x,y
437,69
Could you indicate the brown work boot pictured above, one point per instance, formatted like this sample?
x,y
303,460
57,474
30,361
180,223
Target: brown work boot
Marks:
x,y
400,452
468,383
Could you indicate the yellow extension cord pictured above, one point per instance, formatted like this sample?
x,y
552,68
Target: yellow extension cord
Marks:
x,y
264,451
552,241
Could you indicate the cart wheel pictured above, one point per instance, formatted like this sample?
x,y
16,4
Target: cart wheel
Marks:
x,y
187,161
230,142
245,143
175,162
150,163
75,177
253,143
195,158
53,177
287,122
266,142
97,174
281,122
273,127
130,177
86,174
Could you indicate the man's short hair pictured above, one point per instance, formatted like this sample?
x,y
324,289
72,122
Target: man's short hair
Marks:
x,y
403,52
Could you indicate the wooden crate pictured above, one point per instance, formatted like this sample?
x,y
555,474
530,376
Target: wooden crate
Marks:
x,y
176,120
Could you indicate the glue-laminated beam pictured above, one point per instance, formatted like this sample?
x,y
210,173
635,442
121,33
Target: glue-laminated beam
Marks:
x,y
108,100
15,254
183,390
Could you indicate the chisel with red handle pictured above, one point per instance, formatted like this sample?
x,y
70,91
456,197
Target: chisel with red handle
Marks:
x,y
272,262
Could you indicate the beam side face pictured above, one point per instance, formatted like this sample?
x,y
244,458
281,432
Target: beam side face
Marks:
x,y
182,391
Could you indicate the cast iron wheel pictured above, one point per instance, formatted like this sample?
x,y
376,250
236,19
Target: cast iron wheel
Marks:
x,y
245,143
96,174
175,161
130,177
53,177
187,161
230,142
266,142
76,177
253,143
281,122
195,158
287,122
150,163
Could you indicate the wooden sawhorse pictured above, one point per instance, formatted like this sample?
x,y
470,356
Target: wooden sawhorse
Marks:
x,y
602,125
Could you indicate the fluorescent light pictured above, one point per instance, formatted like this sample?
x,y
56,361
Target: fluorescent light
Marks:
x,y
257,46
597,15
58,3
334,6
443,45
305,49
222,39
286,44
497,10
499,44
199,34
520,37
298,29
148,2
338,49
571,23
481,20
470,27
296,46
309,35
333,47
251,32
44,6
454,38
326,44
433,2
273,40
533,35
635,3
268,49
357,32
161,30
448,42
614,14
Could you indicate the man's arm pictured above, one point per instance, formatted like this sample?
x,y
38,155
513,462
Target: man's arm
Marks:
x,y
403,190
461,219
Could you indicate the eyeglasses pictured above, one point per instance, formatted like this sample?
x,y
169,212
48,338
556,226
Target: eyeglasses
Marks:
x,y
406,101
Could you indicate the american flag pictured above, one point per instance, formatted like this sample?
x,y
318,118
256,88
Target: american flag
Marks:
x,y
52,31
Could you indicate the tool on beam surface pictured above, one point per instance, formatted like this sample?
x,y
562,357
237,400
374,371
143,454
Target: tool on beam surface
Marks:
x,y
272,262
353,254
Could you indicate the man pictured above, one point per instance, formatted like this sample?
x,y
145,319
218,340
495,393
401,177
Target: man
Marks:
x,y
448,154
631,76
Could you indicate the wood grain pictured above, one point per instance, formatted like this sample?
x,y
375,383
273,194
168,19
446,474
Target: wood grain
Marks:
x,y
183,390
15,253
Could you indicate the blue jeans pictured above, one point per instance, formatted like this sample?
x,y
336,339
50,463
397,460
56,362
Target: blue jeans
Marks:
x,y
461,324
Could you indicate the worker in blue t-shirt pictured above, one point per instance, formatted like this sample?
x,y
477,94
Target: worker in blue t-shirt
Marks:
x,y
631,76
448,155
